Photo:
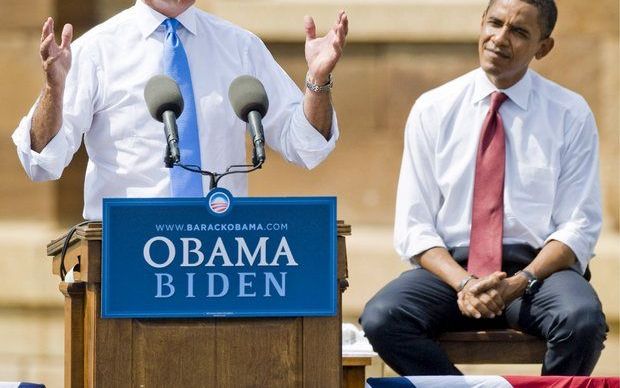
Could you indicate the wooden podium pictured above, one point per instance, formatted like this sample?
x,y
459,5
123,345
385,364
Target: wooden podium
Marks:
x,y
213,352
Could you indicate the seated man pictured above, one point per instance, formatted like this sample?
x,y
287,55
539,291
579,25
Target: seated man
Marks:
x,y
498,208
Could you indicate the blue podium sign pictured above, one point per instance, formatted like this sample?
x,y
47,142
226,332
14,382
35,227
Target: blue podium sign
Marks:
x,y
219,256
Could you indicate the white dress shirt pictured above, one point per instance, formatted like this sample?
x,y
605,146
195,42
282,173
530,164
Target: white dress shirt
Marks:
x,y
551,189
104,103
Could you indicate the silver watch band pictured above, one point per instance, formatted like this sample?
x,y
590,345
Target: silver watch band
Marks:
x,y
320,88
530,276
464,282
532,281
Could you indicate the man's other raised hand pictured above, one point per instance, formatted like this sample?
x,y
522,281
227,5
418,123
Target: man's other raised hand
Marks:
x,y
55,59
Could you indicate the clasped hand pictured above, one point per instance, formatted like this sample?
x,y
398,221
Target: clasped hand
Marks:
x,y
487,297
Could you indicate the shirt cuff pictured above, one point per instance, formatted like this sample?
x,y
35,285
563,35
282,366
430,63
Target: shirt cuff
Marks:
x,y
417,242
312,146
44,165
576,242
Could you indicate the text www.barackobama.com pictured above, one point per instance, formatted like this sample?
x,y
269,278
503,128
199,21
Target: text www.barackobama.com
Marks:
x,y
221,227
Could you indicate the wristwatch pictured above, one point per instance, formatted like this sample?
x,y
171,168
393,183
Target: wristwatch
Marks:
x,y
320,88
532,282
464,282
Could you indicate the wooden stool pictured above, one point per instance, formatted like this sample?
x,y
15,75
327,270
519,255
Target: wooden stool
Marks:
x,y
493,347
354,371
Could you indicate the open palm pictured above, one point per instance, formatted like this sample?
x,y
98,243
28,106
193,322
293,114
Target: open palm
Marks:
x,y
55,59
323,53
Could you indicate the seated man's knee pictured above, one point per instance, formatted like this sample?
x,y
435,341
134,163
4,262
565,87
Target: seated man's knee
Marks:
x,y
380,318
375,319
581,324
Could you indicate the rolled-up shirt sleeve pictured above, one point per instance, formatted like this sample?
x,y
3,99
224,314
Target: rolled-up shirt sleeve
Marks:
x,y
79,95
577,212
418,196
287,130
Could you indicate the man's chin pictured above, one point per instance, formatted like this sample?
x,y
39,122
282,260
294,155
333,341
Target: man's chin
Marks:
x,y
491,69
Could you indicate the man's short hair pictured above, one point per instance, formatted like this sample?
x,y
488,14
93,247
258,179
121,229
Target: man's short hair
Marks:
x,y
547,14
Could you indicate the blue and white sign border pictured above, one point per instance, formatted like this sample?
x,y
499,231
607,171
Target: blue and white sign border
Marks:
x,y
329,310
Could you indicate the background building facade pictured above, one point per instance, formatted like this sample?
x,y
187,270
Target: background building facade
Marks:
x,y
397,50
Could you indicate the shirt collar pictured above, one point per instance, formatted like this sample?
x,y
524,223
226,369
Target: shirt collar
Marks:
x,y
148,20
518,93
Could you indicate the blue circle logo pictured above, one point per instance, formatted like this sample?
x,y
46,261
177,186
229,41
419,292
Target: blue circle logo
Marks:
x,y
219,202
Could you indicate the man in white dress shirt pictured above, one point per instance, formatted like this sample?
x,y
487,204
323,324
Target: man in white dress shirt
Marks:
x,y
537,141
94,90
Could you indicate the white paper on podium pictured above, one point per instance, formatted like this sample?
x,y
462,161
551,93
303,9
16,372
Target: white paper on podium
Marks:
x,y
354,343
69,278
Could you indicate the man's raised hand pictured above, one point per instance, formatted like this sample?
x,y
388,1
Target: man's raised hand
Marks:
x,y
322,53
55,59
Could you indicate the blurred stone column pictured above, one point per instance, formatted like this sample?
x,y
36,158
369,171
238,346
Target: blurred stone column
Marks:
x,y
585,59
20,83
108,8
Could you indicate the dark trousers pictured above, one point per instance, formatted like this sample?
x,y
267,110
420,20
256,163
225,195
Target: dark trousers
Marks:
x,y
403,320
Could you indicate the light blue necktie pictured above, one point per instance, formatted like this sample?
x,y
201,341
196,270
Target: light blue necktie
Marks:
x,y
183,183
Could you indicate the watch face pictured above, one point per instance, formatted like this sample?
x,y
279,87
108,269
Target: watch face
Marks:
x,y
531,286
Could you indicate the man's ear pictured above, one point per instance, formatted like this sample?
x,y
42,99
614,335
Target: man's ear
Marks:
x,y
545,47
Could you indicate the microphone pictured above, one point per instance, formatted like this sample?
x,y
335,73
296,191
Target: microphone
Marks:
x,y
249,101
165,103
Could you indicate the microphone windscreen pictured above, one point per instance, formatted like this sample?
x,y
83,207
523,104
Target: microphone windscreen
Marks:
x,y
163,94
247,94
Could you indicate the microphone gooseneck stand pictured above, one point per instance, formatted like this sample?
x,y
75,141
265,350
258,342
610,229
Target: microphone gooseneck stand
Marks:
x,y
171,161
214,177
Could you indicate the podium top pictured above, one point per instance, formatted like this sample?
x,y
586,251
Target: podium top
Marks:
x,y
89,231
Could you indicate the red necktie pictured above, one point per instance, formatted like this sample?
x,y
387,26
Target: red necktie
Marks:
x,y
487,221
